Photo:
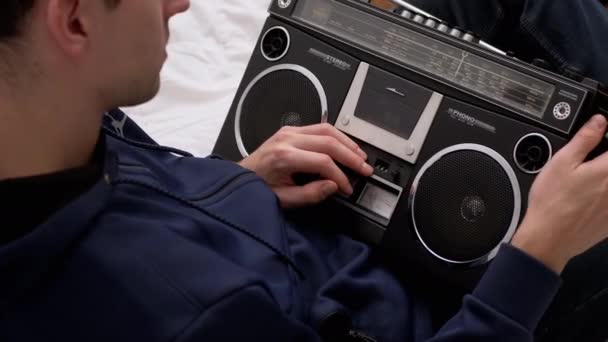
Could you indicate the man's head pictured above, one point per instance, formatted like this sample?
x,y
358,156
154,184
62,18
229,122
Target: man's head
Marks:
x,y
108,51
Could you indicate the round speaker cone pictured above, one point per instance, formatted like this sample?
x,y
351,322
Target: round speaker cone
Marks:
x,y
275,43
283,97
464,205
532,153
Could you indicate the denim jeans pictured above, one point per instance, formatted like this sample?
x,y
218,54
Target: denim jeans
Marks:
x,y
565,33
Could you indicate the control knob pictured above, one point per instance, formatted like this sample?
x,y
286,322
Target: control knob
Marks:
x,y
419,18
406,14
456,32
442,27
430,23
541,63
574,73
469,37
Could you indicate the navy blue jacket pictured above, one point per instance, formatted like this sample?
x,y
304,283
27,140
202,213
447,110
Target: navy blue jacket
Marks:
x,y
169,248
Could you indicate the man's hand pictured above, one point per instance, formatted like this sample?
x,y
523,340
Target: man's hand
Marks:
x,y
312,150
568,203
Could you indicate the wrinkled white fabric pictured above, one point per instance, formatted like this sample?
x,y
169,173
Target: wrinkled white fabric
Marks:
x,y
209,48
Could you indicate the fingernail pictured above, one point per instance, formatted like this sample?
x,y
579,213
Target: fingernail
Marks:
x,y
328,189
362,153
367,169
598,122
349,190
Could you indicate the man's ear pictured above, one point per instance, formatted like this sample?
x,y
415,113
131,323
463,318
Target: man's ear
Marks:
x,y
68,25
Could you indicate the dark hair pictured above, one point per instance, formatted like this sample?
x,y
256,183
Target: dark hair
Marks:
x,y
12,13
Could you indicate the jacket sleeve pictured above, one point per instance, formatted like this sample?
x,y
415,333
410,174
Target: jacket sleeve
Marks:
x,y
507,304
249,314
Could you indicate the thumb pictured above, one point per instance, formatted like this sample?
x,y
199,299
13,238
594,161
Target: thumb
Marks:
x,y
311,193
585,140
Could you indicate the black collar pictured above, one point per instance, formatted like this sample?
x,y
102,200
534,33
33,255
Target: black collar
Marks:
x,y
28,202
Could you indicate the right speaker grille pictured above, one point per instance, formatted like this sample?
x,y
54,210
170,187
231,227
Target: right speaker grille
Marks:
x,y
463,205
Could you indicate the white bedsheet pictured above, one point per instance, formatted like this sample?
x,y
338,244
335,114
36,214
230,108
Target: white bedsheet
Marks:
x,y
209,48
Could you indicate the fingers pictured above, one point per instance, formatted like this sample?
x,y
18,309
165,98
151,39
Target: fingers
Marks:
x,y
317,149
335,149
598,166
585,140
301,161
311,193
329,130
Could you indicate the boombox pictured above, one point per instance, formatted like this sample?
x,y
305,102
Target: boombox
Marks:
x,y
456,130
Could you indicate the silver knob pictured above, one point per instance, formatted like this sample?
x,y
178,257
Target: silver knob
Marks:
x,y
455,33
419,19
406,14
443,28
430,23
469,37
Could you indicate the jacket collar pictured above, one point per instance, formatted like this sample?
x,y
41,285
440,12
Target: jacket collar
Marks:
x,y
25,262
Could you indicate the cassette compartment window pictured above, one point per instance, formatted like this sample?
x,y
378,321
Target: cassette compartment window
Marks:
x,y
392,103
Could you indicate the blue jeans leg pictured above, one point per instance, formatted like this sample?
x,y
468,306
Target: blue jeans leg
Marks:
x,y
565,33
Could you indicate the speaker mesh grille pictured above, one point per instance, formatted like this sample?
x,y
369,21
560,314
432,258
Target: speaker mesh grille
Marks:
x,y
283,97
463,205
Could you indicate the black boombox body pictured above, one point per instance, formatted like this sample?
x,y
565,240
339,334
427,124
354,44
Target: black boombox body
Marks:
x,y
456,132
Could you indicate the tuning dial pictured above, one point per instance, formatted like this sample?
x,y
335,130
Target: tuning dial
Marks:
x,y
432,23
456,32
406,14
419,18
442,27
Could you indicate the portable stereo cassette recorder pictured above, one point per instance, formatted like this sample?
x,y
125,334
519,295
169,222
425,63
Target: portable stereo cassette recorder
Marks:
x,y
456,131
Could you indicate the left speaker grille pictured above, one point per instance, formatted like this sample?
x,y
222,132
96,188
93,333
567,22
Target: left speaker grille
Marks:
x,y
280,98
